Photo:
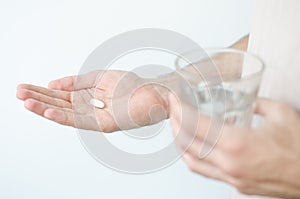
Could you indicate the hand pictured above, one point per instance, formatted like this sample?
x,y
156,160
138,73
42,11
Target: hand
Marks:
x,y
257,161
130,101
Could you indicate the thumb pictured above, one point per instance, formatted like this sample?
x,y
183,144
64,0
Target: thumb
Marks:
x,y
65,83
271,109
85,81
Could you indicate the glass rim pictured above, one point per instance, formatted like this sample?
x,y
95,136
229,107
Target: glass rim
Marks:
x,y
209,51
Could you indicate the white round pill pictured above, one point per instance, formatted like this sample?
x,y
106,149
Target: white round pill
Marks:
x,y
97,103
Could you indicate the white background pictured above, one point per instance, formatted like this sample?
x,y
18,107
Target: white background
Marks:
x,y
44,40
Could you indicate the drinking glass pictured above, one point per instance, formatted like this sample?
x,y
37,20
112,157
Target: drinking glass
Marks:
x,y
224,82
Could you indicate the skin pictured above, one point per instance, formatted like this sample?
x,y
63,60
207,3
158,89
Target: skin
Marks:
x,y
257,161
66,101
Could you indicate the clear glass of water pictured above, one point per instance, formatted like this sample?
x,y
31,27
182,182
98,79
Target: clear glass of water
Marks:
x,y
224,82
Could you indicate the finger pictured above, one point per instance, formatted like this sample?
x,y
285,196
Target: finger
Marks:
x,y
71,83
65,116
200,149
51,93
216,172
205,168
194,126
265,106
207,152
24,94
196,147
60,116
65,83
182,139
273,189
40,108
272,109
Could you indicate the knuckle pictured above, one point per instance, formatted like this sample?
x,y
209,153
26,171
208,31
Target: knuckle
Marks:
x,y
235,146
284,110
284,107
191,163
241,186
233,169
33,104
193,167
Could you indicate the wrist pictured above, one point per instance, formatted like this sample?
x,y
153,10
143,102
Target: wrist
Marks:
x,y
163,86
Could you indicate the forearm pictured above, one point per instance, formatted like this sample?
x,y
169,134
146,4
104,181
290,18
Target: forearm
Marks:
x,y
170,81
241,44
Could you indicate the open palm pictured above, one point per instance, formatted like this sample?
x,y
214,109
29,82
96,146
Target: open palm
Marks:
x,y
130,101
